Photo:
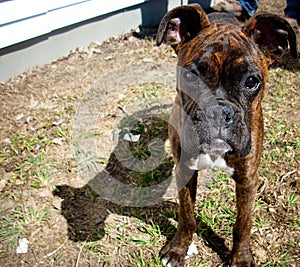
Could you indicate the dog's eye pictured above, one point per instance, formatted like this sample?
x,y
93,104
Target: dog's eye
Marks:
x,y
252,83
190,76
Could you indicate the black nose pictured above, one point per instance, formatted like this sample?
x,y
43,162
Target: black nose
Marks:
x,y
228,115
221,115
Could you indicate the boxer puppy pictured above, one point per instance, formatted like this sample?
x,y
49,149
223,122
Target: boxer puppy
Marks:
x,y
217,119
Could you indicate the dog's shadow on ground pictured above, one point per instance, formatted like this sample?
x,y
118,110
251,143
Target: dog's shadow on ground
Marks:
x,y
86,211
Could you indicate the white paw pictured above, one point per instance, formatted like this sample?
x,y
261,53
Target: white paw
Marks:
x,y
192,250
165,262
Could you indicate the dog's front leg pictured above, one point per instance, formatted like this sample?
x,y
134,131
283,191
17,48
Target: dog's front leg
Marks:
x,y
245,197
175,251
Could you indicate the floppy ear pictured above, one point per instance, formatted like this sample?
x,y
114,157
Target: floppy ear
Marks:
x,y
272,34
181,24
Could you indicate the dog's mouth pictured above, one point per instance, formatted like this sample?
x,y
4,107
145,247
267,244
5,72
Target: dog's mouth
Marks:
x,y
217,148
211,156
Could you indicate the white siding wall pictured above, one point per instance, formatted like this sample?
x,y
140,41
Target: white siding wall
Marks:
x,y
36,32
25,19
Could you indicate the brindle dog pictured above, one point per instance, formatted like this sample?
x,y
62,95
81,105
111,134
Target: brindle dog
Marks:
x,y
217,118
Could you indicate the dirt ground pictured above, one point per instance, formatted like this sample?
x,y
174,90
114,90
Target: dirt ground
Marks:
x,y
60,127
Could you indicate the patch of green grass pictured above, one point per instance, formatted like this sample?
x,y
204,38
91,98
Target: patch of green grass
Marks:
x,y
153,231
293,200
149,90
34,169
141,260
260,218
24,143
62,132
24,156
217,210
284,259
282,142
9,230
31,215
293,222
156,175
139,245
16,222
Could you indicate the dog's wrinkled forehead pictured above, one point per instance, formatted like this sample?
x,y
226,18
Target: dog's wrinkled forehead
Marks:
x,y
223,53
221,47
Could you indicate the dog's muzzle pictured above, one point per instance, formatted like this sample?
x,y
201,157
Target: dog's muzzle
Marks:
x,y
216,129
220,116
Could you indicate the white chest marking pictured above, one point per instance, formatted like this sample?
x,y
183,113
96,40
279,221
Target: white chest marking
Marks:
x,y
204,161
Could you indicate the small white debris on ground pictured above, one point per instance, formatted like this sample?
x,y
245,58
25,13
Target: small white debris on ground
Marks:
x,y
130,137
23,246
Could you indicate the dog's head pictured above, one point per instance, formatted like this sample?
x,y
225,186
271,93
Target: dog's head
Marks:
x,y
221,74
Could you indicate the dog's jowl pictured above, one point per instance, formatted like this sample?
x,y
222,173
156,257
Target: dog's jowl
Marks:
x,y
216,120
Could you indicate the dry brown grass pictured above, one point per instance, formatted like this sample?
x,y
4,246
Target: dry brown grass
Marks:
x,y
45,199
